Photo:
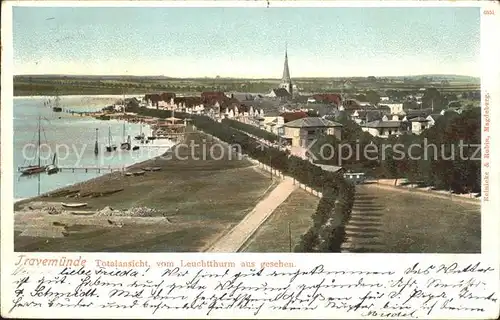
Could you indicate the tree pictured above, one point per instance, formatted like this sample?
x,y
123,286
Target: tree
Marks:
x,y
372,97
361,97
433,98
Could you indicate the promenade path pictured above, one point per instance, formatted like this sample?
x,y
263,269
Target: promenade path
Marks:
x,y
236,237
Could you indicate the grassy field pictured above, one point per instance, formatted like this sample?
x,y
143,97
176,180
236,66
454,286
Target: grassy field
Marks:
x,y
416,223
25,85
273,235
202,199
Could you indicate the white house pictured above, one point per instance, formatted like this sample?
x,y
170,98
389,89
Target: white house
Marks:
x,y
384,129
274,125
457,110
396,108
382,99
432,118
418,125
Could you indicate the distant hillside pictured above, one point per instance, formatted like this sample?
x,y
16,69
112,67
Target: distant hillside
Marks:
x,y
448,77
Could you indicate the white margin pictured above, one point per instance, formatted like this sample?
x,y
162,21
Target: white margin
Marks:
x,y
490,82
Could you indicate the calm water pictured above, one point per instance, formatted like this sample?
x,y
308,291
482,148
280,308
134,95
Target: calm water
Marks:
x,y
72,138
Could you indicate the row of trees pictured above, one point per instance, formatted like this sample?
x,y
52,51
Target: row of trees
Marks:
x,y
253,130
334,209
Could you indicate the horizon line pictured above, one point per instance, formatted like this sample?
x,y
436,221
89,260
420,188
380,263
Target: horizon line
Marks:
x,y
251,78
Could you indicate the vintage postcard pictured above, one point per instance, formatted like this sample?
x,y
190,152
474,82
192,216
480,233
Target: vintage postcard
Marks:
x,y
343,150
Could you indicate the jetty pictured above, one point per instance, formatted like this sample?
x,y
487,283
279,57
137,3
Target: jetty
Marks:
x,y
97,169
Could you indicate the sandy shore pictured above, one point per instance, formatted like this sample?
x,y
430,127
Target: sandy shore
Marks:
x,y
192,203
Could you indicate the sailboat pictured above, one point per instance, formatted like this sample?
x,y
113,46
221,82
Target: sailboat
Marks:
x,y
57,102
110,147
52,168
38,167
141,136
126,145
96,146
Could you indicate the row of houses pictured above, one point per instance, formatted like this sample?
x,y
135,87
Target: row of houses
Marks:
x,y
294,123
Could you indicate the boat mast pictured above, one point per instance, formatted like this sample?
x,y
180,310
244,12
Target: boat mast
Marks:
x,y
38,151
39,141
109,137
96,147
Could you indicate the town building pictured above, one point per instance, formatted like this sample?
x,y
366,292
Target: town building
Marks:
x,y
365,116
280,93
384,129
301,132
274,125
432,119
418,125
396,108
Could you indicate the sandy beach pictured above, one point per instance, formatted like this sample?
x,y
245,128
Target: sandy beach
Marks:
x,y
186,204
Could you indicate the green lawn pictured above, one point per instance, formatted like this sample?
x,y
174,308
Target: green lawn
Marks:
x,y
273,235
417,223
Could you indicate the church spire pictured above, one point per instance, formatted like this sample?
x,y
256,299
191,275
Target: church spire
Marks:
x,y
286,70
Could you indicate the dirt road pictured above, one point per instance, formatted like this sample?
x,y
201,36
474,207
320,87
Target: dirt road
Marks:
x,y
236,238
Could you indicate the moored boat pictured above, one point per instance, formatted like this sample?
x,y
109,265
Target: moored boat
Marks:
x,y
52,168
110,147
29,170
73,205
37,168
57,107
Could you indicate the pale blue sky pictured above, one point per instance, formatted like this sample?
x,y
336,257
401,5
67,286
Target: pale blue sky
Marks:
x,y
246,42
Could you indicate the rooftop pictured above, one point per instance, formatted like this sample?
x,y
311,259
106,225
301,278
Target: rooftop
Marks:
x,y
312,122
383,124
435,115
329,167
281,92
418,119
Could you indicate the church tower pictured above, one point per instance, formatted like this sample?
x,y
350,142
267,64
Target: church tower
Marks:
x,y
286,81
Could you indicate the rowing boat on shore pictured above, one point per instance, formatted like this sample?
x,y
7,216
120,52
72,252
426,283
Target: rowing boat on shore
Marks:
x,y
73,205
151,168
82,213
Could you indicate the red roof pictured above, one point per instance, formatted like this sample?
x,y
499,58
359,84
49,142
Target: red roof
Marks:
x,y
210,98
166,96
328,98
291,116
189,101
155,97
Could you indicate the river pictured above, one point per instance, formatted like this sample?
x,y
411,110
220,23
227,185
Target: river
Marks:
x,y
72,139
